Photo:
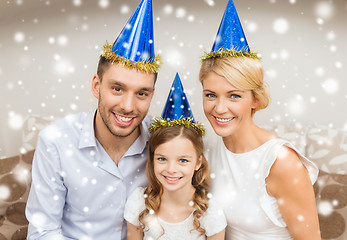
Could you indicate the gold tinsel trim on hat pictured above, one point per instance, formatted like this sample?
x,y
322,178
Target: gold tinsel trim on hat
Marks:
x,y
160,123
143,66
229,53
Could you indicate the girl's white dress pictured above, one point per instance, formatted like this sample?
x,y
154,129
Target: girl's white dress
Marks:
x,y
213,221
238,184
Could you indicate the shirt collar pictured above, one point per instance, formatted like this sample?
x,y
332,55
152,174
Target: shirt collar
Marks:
x,y
140,143
87,138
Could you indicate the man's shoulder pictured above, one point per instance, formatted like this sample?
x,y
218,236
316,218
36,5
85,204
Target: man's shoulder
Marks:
x,y
67,124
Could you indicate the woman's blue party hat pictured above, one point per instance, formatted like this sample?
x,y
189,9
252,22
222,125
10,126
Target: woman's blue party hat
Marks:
x,y
134,47
177,110
230,39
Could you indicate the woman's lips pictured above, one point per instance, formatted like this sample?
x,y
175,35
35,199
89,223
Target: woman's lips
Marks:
x,y
223,121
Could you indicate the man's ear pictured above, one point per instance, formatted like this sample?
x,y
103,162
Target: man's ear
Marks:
x,y
96,86
152,93
198,164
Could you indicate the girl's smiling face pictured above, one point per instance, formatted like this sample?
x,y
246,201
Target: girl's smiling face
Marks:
x,y
175,162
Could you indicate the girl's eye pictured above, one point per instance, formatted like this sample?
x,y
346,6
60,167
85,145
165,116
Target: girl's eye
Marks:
x,y
235,96
183,160
161,159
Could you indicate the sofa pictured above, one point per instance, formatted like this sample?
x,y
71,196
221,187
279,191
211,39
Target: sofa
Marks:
x,y
324,145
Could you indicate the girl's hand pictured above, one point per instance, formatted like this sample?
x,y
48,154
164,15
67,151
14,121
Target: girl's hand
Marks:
x,y
133,232
217,236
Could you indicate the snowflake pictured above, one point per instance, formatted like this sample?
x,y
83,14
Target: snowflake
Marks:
x,y
19,37
15,120
104,3
281,26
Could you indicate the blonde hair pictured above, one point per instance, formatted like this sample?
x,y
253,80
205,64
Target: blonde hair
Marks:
x,y
200,179
242,72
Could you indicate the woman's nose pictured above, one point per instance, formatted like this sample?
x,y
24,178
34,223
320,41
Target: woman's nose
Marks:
x,y
220,106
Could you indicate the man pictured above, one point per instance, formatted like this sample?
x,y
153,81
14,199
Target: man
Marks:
x,y
87,164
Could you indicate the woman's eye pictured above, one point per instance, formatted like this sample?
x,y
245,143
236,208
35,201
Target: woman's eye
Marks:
x,y
210,95
235,96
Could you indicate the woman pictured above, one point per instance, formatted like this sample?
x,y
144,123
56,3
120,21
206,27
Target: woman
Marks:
x,y
263,183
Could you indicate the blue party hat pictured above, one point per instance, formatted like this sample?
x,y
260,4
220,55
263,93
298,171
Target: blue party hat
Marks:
x,y
177,105
230,39
177,110
134,47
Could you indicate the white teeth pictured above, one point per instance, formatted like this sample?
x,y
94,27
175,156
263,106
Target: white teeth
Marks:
x,y
224,119
123,119
172,178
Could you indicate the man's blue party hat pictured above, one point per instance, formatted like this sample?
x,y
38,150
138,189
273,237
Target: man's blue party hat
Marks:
x,y
230,39
177,105
177,110
134,47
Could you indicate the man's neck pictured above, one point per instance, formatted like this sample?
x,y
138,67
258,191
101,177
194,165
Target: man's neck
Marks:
x,y
115,146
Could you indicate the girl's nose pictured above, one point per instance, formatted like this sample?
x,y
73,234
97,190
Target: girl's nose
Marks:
x,y
172,167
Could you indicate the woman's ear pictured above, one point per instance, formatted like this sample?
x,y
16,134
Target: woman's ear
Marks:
x,y
96,86
198,163
255,103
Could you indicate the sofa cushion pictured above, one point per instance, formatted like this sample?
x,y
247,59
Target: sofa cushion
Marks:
x,y
294,133
15,180
327,147
331,199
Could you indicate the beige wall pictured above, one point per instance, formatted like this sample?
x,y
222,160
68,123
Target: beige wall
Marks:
x,y
49,51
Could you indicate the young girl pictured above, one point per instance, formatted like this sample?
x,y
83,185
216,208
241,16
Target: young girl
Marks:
x,y
175,204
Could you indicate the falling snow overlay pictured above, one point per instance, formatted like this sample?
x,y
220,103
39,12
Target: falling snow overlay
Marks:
x,y
52,47
49,52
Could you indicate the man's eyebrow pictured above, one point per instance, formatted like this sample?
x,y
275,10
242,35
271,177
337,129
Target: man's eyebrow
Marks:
x,y
116,82
146,89
119,83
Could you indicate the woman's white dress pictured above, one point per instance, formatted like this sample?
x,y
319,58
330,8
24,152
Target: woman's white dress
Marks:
x,y
238,184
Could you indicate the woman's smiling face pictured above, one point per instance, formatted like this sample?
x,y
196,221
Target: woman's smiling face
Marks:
x,y
227,108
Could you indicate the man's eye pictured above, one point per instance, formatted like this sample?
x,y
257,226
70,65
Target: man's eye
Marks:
x,y
117,89
143,94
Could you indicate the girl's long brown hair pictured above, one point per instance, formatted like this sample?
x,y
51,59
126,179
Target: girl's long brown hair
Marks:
x,y
200,180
